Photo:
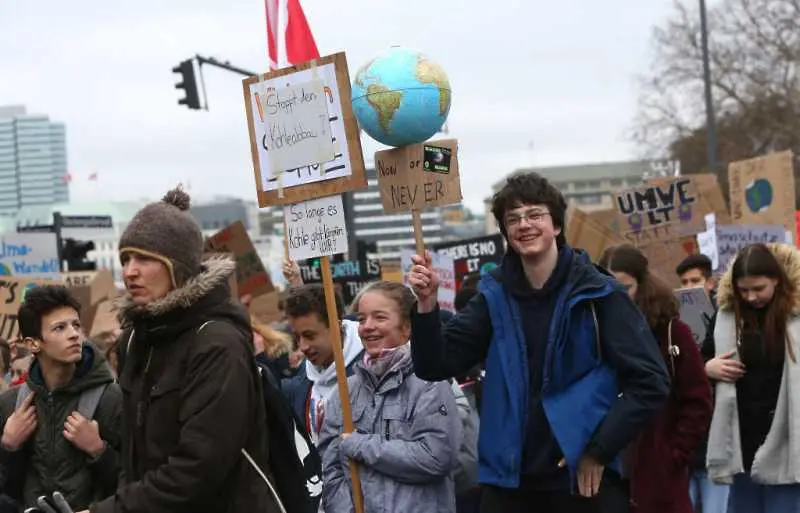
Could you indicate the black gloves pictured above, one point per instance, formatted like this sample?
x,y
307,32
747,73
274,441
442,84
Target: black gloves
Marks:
x,y
55,504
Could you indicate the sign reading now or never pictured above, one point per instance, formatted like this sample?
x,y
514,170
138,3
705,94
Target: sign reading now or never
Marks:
x,y
316,228
419,175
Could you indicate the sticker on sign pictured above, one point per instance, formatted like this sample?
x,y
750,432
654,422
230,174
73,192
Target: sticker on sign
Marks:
x,y
316,228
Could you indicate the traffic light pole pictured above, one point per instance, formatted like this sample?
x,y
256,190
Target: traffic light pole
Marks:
x,y
58,224
224,65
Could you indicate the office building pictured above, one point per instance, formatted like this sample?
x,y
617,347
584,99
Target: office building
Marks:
x,y
33,161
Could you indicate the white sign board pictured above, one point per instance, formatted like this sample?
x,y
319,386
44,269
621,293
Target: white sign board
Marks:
x,y
696,311
29,255
722,243
316,228
296,126
445,270
284,124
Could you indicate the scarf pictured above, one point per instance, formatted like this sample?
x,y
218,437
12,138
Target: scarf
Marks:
x,y
387,361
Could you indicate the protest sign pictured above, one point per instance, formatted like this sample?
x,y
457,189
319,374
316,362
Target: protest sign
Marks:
x,y
29,255
721,243
251,275
443,267
349,276
696,311
586,233
296,156
12,294
664,256
419,175
472,256
762,190
90,288
316,228
660,210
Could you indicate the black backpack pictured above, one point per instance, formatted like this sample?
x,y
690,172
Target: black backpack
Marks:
x,y
296,464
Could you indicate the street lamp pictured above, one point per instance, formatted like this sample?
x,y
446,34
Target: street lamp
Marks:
x,y
711,128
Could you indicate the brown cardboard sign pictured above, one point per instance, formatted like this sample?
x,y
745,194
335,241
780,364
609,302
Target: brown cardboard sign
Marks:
x,y
585,233
105,319
420,175
762,190
12,294
251,275
277,107
90,288
265,307
664,256
661,211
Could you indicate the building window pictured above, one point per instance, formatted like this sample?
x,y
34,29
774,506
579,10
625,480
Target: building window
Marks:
x,y
594,184
589,199
617,182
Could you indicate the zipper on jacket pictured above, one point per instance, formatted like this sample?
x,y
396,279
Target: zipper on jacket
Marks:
x,y
52,433
388,436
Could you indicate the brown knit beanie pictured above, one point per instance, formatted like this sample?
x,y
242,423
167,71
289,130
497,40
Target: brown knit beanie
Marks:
x,y
167,232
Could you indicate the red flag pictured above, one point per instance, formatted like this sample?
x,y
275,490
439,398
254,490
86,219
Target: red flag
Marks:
x,y
288,31
93,177
67,178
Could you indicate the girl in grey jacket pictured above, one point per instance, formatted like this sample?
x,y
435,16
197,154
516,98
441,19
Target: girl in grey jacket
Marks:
x,y
407,431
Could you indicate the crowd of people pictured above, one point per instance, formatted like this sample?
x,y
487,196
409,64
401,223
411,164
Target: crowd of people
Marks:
x,y
559,385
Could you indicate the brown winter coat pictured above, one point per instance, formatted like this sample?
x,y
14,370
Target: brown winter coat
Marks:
x,y
192,401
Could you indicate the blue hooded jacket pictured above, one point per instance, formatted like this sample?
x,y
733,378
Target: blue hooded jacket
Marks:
x,y
595,403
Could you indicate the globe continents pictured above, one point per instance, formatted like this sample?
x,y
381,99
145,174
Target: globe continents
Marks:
x,y
401,97
758,195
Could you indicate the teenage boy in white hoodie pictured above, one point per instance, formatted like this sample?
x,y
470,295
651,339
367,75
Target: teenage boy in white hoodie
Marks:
x,y
314,384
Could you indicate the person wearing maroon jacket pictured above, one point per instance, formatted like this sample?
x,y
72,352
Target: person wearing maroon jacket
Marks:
x,y
659,460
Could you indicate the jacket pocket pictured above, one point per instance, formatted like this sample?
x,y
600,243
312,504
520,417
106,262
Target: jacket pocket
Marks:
x,y
395,423
162,421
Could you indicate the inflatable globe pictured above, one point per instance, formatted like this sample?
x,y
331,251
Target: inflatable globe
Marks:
x,y
401,97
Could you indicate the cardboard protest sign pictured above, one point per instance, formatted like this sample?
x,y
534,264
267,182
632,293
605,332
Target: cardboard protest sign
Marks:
x,y
721,243
349,276
12,294
660,211
419,175
265,307
762,190
443,267
304,140
316,228
584,232
29,255
90,288
696,311
708,188
664,256
251,275
471,256
104,320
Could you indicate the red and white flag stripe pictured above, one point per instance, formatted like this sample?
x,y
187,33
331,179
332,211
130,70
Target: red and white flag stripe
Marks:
x,y
289,38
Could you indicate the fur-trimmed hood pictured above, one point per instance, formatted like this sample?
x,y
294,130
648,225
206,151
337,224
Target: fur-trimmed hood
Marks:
x,y
789,258
215,273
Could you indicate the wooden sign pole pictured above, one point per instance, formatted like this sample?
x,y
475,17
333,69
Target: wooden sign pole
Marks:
x,y
416,216
341,374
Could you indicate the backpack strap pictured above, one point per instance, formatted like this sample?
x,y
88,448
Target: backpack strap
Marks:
x,y
90,399
596,330
22,393
672,350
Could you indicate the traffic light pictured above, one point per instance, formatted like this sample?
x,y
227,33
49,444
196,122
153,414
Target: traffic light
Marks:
x,y
188,84
74,253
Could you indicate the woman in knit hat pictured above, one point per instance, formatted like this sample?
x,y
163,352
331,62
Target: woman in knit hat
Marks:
x,y
192,395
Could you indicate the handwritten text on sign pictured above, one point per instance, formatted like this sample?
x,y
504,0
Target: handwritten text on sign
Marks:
x,y
297,131
419,176
660,209
316,228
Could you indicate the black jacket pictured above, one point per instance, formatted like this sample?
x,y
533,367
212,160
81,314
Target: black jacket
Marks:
x,y
192,402
48,462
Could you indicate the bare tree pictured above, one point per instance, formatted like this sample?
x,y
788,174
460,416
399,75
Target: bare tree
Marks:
x,y
754,54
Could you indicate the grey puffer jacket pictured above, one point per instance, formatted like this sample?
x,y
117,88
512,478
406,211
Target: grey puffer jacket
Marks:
x,y
406,442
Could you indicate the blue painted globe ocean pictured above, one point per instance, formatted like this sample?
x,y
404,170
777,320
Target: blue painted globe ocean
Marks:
x,y
401,97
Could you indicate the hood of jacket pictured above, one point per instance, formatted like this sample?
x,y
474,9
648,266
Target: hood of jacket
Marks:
x,y
91,371
202,298
788,257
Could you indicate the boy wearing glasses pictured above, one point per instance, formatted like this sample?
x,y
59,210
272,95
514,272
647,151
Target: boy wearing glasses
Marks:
x,y
572,370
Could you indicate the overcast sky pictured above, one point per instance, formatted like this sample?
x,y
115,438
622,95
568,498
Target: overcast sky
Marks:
x,y
559,75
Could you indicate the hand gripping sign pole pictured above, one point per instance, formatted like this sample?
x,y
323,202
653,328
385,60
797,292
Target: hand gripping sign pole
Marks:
x,y
306,152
